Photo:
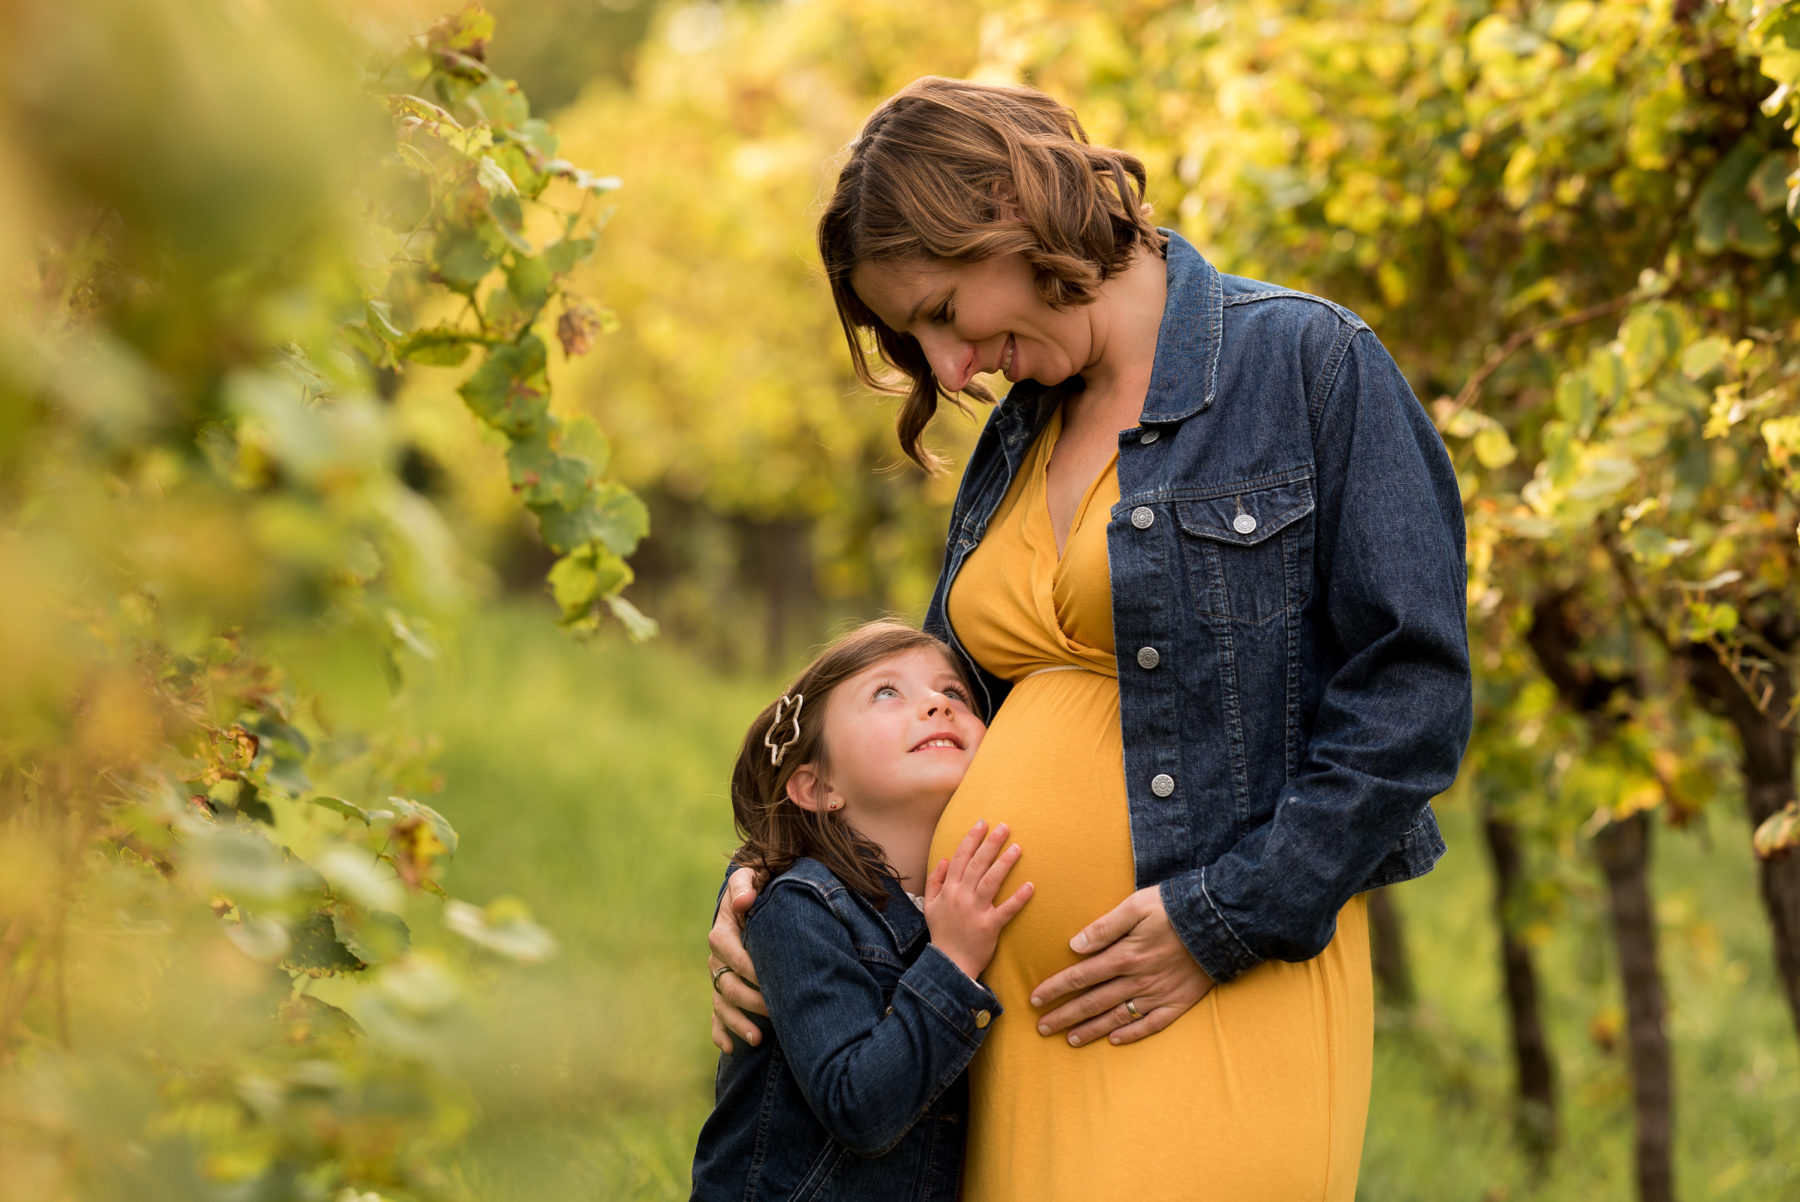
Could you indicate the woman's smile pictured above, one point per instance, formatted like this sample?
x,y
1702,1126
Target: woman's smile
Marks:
x,y
970,319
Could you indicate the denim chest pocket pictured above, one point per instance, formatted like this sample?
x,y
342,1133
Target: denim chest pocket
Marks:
x,y
1249,552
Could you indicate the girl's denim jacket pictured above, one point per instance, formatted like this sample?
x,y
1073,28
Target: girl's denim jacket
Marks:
x,y
1288,596
856,1092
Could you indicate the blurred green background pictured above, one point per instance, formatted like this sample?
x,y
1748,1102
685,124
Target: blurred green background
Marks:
x,y
332,869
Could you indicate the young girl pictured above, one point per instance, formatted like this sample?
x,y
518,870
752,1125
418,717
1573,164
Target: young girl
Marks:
x,y
869,967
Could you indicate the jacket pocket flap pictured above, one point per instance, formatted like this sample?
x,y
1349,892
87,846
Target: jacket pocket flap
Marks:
x,y
1247,518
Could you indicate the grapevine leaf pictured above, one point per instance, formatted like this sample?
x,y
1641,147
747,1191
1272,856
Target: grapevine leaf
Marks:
x,y
1779,834
583,438
528,278
316,949
374,937
504,927
624,520
462,258
637,623
542,477
338,805
562,255
438,346
509,390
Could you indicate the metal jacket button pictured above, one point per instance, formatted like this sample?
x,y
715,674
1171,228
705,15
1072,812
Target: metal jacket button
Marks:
x,y
982,1019
1243,523
1162,784
1149,436
1148,657
1141,517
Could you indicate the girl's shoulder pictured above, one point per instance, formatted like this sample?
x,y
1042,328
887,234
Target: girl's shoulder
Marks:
x,y
806,878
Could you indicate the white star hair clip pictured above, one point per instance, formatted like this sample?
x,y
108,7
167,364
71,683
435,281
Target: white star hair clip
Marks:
x,y
777,750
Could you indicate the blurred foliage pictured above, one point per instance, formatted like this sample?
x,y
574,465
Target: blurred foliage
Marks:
x,y
229,967
254,252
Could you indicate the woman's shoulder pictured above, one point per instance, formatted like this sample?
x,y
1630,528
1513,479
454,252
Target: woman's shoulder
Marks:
x,y
1256,300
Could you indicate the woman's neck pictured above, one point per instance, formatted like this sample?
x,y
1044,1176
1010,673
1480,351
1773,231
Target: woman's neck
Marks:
x,y
1126,318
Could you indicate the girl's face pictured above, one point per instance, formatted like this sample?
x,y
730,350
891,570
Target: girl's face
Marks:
x,y
971,318
899,735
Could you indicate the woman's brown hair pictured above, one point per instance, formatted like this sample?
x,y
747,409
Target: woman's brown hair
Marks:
x,y
776,832
948,169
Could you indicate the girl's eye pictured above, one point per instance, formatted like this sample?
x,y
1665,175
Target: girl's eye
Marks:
x,y
884,688
958,692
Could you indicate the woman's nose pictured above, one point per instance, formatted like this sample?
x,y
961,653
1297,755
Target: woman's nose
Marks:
x,y
952,360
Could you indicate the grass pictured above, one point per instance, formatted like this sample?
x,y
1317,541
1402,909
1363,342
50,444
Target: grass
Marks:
x,y
590,782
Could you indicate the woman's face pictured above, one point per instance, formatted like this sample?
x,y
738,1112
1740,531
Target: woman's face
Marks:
x,y
972,318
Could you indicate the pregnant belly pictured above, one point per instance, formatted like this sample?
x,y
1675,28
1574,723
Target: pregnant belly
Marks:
x,y
1051,768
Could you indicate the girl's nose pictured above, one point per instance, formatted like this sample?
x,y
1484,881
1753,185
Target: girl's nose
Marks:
x,y
937,704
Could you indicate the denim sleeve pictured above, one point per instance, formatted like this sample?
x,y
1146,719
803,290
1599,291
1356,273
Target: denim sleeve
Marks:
x,y
868,1069
1395,714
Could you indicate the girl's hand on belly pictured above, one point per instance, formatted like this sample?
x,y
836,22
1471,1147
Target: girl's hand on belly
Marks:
x,y
1137,977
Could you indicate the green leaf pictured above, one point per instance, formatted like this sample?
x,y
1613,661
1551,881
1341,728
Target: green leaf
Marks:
x,y
338,805
542,477
438,346
446,834
638,625
1650,335
500,102
467,31
1493,448
1725,215
317,950
1704,356
1778,834
562,256
582,437
1768,186
462,258
528,278
374,936
623,521
504,927
493,179
509,391
584,576
509,222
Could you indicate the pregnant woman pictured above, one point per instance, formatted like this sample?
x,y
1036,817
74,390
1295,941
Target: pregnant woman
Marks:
x,y
1206,566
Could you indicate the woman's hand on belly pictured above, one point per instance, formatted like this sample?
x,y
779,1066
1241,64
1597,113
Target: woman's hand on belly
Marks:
x,y
1132,954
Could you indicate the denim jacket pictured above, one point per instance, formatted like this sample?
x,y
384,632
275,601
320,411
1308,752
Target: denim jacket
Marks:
x,y
1288,597
856,1092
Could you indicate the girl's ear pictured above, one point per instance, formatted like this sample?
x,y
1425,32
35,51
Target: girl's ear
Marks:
x,y
806,790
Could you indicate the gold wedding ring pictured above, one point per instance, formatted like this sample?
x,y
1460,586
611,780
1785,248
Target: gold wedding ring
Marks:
x,y
1130,1005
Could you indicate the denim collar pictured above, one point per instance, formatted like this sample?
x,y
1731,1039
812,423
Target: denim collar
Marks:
x,y
1185,377
901,918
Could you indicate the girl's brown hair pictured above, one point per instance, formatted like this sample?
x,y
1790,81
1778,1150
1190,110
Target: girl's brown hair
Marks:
x,y
948,169
776,832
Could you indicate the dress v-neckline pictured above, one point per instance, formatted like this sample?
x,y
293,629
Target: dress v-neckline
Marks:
x,y
1052,436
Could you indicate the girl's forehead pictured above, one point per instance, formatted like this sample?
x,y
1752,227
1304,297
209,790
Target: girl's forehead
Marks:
x,y
924,660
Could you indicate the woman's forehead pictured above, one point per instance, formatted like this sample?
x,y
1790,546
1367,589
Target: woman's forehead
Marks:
x,y
895,288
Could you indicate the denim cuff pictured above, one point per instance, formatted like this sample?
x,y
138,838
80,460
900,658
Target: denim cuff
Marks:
x,y
1203,929
966,1005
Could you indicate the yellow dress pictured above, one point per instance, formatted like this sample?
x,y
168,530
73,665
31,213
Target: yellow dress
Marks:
x,y
1258,1093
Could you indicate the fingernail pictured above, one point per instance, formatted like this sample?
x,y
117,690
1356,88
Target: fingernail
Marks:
x,y
1038,1001
1074,1041
1043,1028
1079,943
1113,1039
